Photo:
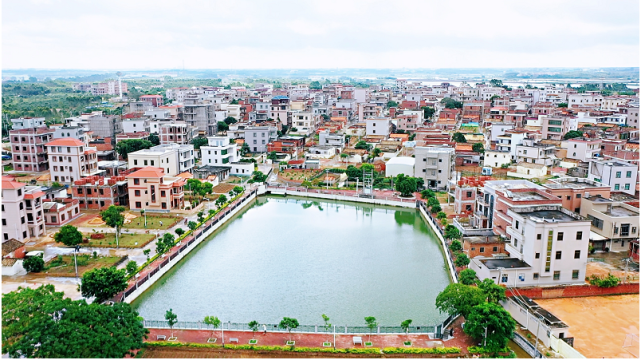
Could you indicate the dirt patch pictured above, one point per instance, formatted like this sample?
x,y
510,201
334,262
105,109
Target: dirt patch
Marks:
x,y
223,188
599,324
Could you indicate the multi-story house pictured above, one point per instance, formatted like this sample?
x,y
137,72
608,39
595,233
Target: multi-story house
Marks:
x,y
156,100
27,123
378,126
555,127
571,191
620,176
76,132
22,212
60,211
496,158
134,125
304,122
28,148
547,245
105,126
408,122
151,190
71,159
536,153
594,100
177,133
582,149
220,151
257,137
200,114
97,192
280,110
435,165
172,158
325,138
509,140
616,222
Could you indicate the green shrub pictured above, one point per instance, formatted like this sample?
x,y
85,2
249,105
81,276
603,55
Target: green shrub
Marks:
x,y
604,282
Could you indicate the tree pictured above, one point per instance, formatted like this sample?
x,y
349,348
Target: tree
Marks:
x,y
221,200
496,83
33,264
376,152
153,139
40,323
230,120
433,201
289,324
327,325
467,277
562,105
458,137
405,325
436,209
244,149
103,283
362,145
392,103
428,112
478,147
315,85
451,103
493,292
353,172
201,215
214,322
461,260
441,215
222,126
68,235
427,194
405,185
459,299
131,268
371,323
272,156
113,217
146,252
253,326
494,320
172,319
456,246
259,177
451,232
124,147
234,102
179,231
199,141
573,134
238,190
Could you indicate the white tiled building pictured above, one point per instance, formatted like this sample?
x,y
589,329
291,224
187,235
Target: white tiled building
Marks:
x,y
70,159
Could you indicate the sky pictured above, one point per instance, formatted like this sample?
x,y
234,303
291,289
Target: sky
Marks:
x,y
300,34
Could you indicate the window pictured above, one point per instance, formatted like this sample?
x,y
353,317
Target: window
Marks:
x,y
616,186
535,276
618,175
577,254
4,222
21,206
559,236
517,224
138,205
557,275
481,249
568,197
627,186
136,181
538,236
537,255
579,235
578,196
628,174
558,255
145,162
575,274
596,222
503,278
162,193
137,193
548,254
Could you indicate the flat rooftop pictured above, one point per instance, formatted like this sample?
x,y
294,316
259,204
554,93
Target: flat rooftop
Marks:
x,y
527,196
549,215
508,263
620,211
483,239
574,184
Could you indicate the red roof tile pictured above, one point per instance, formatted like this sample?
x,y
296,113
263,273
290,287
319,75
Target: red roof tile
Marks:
x,y
66,142
147,172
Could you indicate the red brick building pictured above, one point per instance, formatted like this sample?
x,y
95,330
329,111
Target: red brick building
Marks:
x,y
58,212
97,192
156,100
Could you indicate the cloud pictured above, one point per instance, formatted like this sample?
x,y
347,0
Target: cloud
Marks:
x,y
318,34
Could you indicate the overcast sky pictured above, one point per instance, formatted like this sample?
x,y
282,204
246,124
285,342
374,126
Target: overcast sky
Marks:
x,y
237,34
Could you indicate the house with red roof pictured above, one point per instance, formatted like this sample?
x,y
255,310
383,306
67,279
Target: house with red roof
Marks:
x,y
151,190
22,212
70,160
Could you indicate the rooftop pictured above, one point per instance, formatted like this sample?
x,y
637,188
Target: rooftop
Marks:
x,y
548,216
620,211
507,263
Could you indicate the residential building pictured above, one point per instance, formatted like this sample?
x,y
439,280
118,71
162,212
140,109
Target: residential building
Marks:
x,y
257,137
486,201
70,159
176,133
484,246
304,122
28,149
616,222
536,153
172,158
152,190
620,176
200,114
155,100
105,126
555,127
75,132
547,245
495,158
220,151
27,123
325,138
22,212
582,149
399,165
571,191
280,109
435,165
378,126
135,125
60,211
98,192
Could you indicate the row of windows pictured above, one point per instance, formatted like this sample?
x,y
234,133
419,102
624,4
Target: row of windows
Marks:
x,y
146,163
628,174
559,235
162,193
559,254
139,205
557,275
99,191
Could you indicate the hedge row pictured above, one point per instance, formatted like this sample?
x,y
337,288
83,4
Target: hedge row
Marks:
x,y
388,350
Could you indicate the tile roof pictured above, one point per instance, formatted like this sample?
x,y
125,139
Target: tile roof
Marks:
x,y
10,246
65,142
9,262
147,172
10,183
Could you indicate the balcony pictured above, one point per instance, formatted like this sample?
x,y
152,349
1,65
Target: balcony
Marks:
x,y
513,233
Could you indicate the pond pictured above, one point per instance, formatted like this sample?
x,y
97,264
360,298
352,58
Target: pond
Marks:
x,y
302,258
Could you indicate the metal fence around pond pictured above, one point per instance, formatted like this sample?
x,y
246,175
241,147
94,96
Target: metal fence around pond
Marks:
x,y
339,329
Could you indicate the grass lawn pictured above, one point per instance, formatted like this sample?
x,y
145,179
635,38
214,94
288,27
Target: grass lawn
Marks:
x,y
8,167
153,222
126,240
65,264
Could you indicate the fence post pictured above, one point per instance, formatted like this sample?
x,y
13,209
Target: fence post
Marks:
x,y
315,328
